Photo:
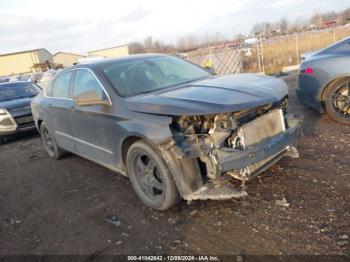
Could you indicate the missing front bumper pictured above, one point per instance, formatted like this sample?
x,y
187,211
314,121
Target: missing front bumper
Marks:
x,y
232,159
257,158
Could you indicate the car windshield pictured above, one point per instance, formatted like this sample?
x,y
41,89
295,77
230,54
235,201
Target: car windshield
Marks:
x,y
146,75
13,91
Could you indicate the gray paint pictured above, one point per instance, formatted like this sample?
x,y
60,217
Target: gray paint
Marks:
x,y
211,96
98,132
328,64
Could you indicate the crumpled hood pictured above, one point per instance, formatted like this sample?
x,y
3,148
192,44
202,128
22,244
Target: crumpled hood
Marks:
x,y
16,103
221,94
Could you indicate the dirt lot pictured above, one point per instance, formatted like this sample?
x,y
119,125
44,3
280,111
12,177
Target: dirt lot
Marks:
x,y
61,207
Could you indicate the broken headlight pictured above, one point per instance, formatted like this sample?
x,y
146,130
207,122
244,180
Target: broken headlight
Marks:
x,y
7,123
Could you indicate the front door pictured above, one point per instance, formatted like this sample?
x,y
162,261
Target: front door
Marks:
x,y
93,125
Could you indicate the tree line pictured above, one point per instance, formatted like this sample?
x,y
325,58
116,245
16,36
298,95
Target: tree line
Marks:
x,y
193,41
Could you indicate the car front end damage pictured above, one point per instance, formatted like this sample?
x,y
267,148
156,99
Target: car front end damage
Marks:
x,y
209,154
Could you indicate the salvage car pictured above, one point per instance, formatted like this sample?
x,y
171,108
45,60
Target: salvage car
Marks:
x,y
324,80
173,128
15,112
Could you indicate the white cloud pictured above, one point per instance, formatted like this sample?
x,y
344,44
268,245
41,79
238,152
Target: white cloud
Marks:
x,y
79,26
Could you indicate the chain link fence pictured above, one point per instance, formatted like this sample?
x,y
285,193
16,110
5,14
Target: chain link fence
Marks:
x,y
225,60
269,56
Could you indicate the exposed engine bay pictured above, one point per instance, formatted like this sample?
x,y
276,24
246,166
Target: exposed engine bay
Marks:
x,y
226,145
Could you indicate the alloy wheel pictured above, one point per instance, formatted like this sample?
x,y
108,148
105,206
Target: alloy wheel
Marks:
x,y
48,141
148,176
341,100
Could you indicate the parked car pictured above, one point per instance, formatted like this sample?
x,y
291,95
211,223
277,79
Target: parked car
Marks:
x,y
174,129
15,113
324,80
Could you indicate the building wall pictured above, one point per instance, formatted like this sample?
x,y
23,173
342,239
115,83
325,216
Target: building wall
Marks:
x,y
20,63
66,59
17,63
111,52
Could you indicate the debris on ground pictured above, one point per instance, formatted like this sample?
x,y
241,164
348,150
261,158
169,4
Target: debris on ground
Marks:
x,y
342,243
344,236
283,202
113,220
193,212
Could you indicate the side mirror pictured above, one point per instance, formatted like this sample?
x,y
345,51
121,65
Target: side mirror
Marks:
x,y
90,98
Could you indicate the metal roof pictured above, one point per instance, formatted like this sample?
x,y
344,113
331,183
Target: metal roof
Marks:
x,y
68,54
27,51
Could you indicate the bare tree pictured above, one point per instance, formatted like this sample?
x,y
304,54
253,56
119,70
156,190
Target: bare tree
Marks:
x,y
316,19
345,15
136,48
283,25
148,44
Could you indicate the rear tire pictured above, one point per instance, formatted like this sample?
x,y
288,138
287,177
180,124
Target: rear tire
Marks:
x,y
50,144
150,177
337,101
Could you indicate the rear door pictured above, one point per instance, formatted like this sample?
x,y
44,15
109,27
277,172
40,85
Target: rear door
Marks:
x,y
60,105
93,125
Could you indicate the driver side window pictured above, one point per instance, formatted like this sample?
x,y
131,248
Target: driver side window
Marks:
x,y
86,82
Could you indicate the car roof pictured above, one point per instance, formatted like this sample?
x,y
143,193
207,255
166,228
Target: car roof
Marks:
x,y
106,61
109,61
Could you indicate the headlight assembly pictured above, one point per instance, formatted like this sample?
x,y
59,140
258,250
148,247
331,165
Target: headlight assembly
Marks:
x,y
7,123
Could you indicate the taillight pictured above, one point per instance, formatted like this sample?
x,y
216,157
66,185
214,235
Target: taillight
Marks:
x,y
308,71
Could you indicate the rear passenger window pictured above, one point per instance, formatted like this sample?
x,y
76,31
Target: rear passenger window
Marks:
x,y
85,82
60,87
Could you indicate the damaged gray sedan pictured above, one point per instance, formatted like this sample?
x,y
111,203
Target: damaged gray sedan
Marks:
x,y
174,129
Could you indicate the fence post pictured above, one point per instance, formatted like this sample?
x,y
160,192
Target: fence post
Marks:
x,y
262,55
297,47
257,52
334,36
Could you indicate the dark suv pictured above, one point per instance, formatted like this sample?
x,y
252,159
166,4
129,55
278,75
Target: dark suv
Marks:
x,y
173,128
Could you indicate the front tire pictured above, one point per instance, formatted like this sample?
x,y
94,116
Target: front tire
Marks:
x,y
150,177
50,144
337,101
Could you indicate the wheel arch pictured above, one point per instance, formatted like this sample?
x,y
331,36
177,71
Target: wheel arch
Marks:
x,y
186,184
329,84
131,139
126,144
39,122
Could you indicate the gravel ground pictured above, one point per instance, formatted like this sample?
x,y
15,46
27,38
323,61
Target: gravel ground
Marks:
x,y
61,207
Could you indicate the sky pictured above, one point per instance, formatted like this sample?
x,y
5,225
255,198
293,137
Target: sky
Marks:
x,y
79,26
